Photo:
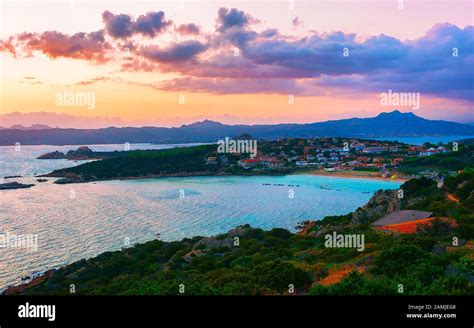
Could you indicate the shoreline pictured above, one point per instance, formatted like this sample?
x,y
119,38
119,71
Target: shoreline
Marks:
x,y
336,174
351,174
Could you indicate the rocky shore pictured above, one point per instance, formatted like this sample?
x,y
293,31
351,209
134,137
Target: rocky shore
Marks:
x,y
14,185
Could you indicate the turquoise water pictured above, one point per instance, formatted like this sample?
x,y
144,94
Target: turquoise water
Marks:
x,y
109,215
421,140
22,161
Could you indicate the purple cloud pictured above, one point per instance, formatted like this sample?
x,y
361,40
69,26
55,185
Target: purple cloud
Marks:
x,y
88,46
228,18
188,29
151,23
123,26
178,52
118,26
230,85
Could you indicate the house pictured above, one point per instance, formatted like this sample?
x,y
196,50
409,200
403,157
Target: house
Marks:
x,y
428,152
362,159
250,163
301,163
268,162
357,146
211,160
393,148
401,217
374,150
407,221
274,164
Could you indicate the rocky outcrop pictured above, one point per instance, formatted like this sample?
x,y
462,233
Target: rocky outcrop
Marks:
x,y
213,242
223,240
54,155
381,203
16,289
82,153
71,179
206,244
14,185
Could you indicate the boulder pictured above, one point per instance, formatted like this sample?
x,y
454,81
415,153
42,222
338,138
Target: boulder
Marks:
x,y
54,155
14,185
82,153
381,203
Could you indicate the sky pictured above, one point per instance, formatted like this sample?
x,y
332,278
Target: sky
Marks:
x,y
167,63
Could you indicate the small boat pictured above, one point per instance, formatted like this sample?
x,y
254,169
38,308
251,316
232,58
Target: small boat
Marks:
x,y
34,275
25,278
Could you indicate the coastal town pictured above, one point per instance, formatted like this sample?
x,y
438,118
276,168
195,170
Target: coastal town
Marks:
x,y
333,156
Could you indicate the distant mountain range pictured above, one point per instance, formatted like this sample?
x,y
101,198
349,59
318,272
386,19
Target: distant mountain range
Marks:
x,y
32,127
57,120
393,124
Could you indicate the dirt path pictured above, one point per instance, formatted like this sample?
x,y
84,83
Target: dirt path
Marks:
x,y
452,198
335,275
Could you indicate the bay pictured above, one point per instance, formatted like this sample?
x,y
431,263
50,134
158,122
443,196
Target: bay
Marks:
x,y
83,220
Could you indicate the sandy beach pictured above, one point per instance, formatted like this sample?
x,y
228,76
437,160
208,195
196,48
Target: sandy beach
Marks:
x,y
352,174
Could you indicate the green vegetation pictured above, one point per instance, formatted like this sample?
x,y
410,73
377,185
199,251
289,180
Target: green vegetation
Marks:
x,y
143,163
425,195
443,163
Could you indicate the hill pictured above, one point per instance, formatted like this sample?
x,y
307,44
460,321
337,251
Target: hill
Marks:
x,y
393,124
